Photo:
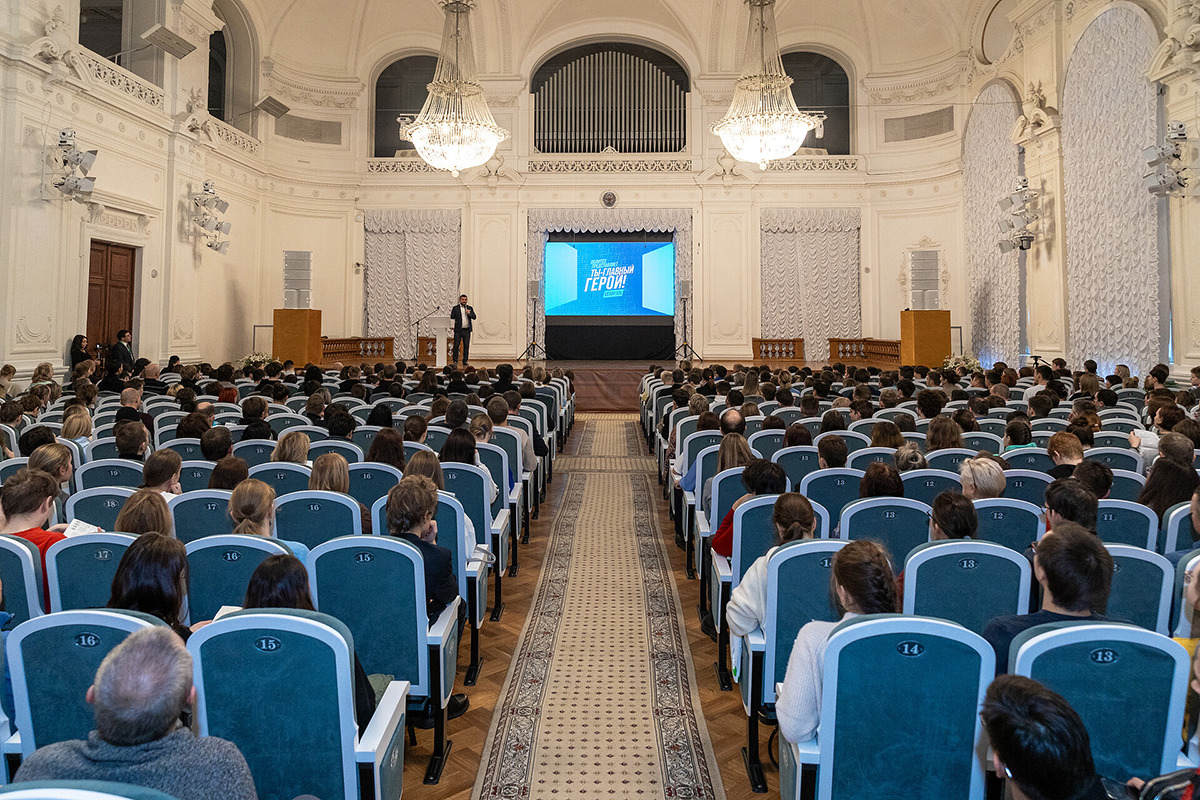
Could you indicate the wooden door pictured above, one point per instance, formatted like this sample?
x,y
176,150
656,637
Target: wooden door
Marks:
x,y
110,294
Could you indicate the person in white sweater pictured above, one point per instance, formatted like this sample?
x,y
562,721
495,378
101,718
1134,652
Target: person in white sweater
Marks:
x,y
794,520
864,584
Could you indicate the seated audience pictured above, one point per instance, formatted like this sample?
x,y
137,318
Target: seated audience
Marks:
x,y
733,452
292,448
982,478
145,511
1038,742
862,583
252,509
387,448
832,452
228,473
153,578
943,433
141,690
886,434
1018,434
880,480
162,472
55,459
1075,572
411,506
331,473
132,440
953,517
460,449
1169,482
908,457
1066,451
26,500
216,443
1068,500
760,477
281,581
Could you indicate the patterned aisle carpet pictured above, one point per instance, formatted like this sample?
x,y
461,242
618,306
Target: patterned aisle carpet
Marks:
x,y
601,697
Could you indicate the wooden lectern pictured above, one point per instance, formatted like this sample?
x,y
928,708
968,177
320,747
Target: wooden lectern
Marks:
x,y
924,337
297,335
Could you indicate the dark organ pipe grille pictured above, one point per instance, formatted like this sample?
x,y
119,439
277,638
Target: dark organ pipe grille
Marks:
x,y
611,98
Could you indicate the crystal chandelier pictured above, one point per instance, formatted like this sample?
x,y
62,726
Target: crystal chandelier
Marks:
x,y
763,123
455,130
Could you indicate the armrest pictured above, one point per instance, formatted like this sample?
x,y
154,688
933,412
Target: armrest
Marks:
x,y
515,495
500,522
382,744
445,626
389,715
1185,762
756,640
722,568
689,498
703,526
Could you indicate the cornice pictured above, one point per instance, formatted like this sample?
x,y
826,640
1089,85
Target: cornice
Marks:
x,y
310,89
906,87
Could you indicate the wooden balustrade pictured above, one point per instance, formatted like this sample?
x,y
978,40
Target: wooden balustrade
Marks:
x,y
777,353
356,350
427,349
866,352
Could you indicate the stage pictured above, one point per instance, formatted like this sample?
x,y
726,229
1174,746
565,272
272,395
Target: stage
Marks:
x,y
605,385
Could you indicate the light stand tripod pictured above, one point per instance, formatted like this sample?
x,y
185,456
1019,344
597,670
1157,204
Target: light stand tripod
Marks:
x,y
534,351
685,351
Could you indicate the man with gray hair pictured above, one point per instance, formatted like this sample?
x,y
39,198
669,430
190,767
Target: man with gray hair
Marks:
x,y
141,689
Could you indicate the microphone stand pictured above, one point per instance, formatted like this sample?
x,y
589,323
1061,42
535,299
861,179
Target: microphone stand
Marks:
x,y
416,344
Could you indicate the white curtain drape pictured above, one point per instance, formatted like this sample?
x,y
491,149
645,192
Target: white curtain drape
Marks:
x,y
810,275
991,165
1109,115
544,221
412,267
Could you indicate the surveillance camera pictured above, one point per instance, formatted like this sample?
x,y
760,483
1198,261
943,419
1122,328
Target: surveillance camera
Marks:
x,y
1176,131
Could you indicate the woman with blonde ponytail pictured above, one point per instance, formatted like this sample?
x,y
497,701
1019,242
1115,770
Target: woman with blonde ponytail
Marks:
x,y
252,509
863,583
794,520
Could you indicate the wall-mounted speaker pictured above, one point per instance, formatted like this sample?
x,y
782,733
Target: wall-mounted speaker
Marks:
x,y
534,288
685,290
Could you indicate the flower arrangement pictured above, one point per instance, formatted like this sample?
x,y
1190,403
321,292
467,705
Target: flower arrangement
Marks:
x,y
251,359
968,363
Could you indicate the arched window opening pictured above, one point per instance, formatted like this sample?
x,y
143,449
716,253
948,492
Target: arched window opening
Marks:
x,y
400,91
218,52
820,84
630,98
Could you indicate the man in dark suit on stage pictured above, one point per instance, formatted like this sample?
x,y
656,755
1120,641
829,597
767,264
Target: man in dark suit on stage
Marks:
x,y
462,314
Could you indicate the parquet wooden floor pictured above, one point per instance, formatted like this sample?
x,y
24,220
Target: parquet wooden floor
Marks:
x,y
722,710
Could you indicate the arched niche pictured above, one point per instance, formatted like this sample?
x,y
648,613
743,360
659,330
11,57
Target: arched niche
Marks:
x,y
821,83
400,91
236,66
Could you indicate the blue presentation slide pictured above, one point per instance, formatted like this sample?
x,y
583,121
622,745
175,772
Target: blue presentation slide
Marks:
x,y
610,279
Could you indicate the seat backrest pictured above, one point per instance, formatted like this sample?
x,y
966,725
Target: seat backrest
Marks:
x,y
1118,458
926,484
80,790
927,677
254,451
726,489
370,481
898,522
1105,672
861,459
347,450
452,535
109,472
9,467
1030,458
1179,532
1111,439
315,433
80,570
1142,586
994,426
313,517
275,656
200,513
510,441
194,475
1012,523
949,458
797,462
495,461
21,575
436,435
798,592
1127,485
832,488
99,506
982,440
282,422
468,483
753,533
965,581
694,444
219,570
188,449
1125,522
50,703
1026,484
767,442
364,436
283,477
376,586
